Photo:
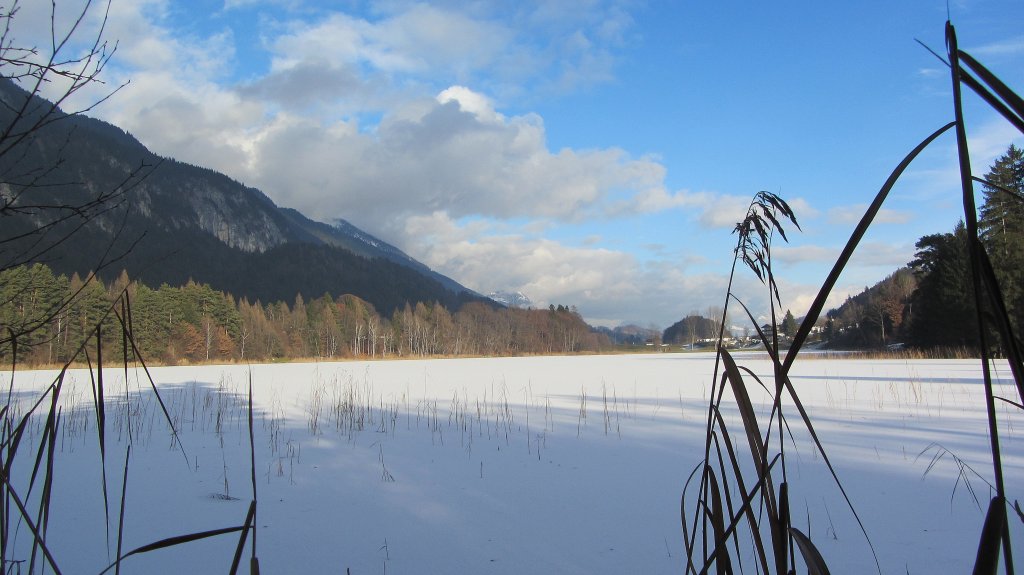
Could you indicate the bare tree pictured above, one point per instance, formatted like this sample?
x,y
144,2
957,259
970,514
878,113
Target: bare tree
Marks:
x,y
34,218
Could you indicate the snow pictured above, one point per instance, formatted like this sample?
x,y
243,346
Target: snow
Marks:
x,y
510,465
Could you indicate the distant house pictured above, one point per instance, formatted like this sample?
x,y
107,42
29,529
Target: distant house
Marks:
x,y
768,330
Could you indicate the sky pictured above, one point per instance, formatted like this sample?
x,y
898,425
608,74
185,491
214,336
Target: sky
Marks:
x,y
594,154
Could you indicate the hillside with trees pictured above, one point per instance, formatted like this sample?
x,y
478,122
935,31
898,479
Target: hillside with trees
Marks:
x,y
691,330
930,303
876,317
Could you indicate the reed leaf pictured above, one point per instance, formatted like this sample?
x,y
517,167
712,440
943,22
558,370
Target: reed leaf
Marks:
x,y
13,496
828,463
46,442
746,409
723,564
726,491
979,277
99,402
991,99
1010,401
844,257
252,471
687,541
783,374
1001,317
987,561
812,557
124,498
1012,110
1012,194
759,454
748,500
768,345
250,516
43,520
152,384
741,487
780,533
172,542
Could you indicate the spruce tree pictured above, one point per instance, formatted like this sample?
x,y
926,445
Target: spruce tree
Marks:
x,y
789,325
943,305
1001,227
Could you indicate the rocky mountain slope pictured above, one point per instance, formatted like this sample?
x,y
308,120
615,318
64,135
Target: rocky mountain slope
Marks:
x,y
80,194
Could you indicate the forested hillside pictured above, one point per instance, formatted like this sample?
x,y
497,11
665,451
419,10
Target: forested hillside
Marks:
x,y
876,317
196,323
691,329
930,304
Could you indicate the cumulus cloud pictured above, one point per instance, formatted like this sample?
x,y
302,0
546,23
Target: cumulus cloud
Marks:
x,y
806,253
294,131
438,169
454,154
610,286
883,255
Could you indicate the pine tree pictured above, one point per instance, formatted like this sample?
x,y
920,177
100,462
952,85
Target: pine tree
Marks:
x,y
943,303
789,325
1001,227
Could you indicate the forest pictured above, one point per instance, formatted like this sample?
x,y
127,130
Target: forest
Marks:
x,y
195,323
930,304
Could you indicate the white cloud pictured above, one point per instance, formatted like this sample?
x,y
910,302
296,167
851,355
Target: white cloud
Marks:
x,y
472,102
852,214
1008,47
442,172
431,156
657,199
883,255
711,209
608,286
419,39
289,134
805,253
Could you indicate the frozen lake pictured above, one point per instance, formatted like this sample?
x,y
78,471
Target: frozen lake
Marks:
x,y
511,465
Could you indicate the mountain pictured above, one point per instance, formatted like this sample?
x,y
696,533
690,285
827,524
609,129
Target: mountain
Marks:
x,y
630,334
511,299
80,194
690,329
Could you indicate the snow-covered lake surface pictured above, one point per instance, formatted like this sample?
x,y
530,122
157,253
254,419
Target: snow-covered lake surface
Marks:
x,y
512,465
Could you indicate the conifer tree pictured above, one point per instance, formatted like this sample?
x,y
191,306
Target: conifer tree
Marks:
x,y
1001,227
943,303
789,325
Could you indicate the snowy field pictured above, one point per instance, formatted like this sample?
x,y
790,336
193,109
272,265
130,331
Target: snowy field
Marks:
x,y
512,465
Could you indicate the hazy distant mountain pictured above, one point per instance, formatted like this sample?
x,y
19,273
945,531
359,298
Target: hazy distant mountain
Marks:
x,y
511,299
631,334
184,222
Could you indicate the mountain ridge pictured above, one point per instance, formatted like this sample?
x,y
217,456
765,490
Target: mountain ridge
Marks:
x,y
173,221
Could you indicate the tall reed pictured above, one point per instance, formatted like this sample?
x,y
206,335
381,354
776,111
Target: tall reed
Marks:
x,y
734,506
29,501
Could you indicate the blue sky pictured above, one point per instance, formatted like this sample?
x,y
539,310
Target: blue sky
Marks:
x,y
593,153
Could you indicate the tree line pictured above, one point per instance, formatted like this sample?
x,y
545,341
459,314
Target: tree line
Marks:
x,y
195,323
930,303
